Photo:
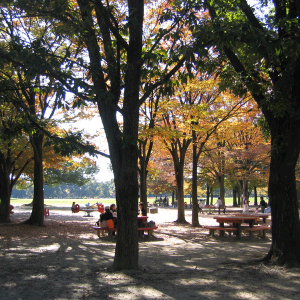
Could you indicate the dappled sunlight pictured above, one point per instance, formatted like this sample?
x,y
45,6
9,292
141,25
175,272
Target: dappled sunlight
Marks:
x,y
66,260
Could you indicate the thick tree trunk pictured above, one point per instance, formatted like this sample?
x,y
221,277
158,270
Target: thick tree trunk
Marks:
x,y
173,198
126,253
180,197
282,190
207,193
5,190
37,214
255,196
144,156
143,183
234,193
5,193
222,188
125,167
178,157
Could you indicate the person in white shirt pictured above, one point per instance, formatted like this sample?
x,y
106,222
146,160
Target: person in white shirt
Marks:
x,y
219,204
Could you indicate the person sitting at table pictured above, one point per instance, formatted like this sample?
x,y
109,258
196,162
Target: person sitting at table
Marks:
x,y
141,223
113,209
107,215
142,210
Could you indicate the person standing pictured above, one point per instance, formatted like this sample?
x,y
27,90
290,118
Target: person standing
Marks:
x,y
262,204
219,204
73,207
246,206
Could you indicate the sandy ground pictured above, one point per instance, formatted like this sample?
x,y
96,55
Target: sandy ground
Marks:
x,y
66,260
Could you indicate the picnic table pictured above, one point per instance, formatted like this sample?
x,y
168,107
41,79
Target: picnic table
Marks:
x,y
141,228
263,216
236,221
88,211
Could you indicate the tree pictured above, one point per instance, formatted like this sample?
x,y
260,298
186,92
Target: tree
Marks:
x,y
216,108
28,47
145,143
120,53
34,95
15,154
248,155
176,139
260,50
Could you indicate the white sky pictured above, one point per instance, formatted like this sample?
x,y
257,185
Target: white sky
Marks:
x,y
91,127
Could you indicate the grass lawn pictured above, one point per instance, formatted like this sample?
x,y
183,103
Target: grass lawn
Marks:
x,y
68,202
105,201
65,202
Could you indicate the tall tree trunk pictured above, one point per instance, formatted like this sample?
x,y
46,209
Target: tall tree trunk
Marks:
x,y
143,187
178,152
207,193
143,177
5,190
282,190
125,174
180,193
255,196
234,193
173,198
37,214
5,193
222,188
195,211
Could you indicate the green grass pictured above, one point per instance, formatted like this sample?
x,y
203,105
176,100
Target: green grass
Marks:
x,y
65,202
68,202
105,201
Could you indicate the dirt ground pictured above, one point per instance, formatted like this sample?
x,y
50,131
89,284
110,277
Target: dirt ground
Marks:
x,y
66,260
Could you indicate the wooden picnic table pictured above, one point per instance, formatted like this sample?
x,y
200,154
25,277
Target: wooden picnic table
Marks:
x,y
236,221
142,218
262,216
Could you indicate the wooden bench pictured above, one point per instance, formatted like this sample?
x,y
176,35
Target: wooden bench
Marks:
x,y
257,228
109,230
149,229
213,228
208,209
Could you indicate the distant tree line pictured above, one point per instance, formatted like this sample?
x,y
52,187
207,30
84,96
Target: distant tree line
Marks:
x,y
92,189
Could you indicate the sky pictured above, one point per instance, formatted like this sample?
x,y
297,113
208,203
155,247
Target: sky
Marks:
x,y
91,127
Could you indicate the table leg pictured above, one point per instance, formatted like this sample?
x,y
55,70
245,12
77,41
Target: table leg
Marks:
x,y
222,231
239,230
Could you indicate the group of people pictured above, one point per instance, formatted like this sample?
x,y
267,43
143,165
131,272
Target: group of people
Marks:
x,y
109,214
262,205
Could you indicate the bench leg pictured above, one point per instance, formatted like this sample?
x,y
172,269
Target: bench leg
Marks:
x,y
212,232
263,234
